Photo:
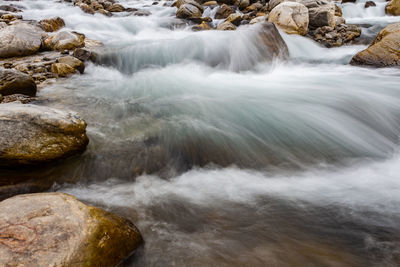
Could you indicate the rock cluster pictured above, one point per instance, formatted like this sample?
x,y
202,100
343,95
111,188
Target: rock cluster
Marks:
x,y
335,36
320,20
105,7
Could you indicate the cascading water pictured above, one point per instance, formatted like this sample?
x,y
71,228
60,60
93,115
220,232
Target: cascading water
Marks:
x,y
223,156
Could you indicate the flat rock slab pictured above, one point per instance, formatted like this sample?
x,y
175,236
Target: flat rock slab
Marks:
x,y
31,134
55,229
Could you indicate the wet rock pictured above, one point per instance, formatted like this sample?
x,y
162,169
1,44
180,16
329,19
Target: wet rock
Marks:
x,y
335,36
291,17
180,3
20,40
72,62
369,4
52,25
338,11
234,18
348,1
62,69
384,51
253,7
258,20
9,8
188,11
15,82
323,15
31,134
24,99
86,8
226,26
393,8
141,13
55,229
65,40
201,27
275,46
10,17
339,20
243,4
82,54
116,8
223,12
210,3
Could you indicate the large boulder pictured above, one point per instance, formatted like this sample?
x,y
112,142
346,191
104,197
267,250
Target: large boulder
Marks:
x,y
393,8
384,51
65,40
31,134
55,229
291,17
21,39
15,82
188,11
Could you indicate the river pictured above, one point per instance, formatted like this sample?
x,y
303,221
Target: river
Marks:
x,y
222,157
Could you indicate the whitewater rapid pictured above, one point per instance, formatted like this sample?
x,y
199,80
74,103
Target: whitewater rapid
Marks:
x,y
223,157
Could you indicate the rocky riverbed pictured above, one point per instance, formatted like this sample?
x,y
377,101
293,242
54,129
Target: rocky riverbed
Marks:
x,y
217,127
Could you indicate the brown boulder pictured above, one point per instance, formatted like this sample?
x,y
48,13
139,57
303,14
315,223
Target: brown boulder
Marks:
x,y
384,51
31,134
55,229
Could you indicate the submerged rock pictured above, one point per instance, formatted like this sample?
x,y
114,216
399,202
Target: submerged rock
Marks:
x,y
21,39
275,46
291,17
31,134
384,51
15,82
55,229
